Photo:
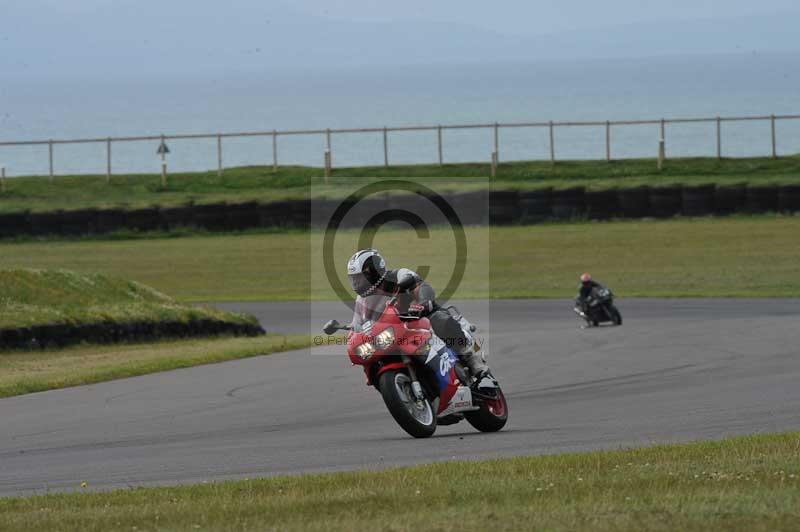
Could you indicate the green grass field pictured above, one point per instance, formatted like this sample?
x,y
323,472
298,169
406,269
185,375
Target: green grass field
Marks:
x,y
57,296
24,372
260,183
743,484
721,257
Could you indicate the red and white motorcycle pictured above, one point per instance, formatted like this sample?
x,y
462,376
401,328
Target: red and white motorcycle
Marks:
x,y
421,379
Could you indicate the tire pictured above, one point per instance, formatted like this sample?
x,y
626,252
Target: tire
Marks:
x,y
633,202
490,418
535,206
568,203
665,201
592,314
395,387
616,317
504,207
601,204
697,200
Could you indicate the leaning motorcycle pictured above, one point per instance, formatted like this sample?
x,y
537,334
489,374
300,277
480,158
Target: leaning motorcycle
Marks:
x,y
600,308
421,379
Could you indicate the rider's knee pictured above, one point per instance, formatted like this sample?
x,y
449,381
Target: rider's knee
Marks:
x,y
446,327
437,319
440,320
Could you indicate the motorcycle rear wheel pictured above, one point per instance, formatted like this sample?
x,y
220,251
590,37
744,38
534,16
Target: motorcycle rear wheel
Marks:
x,y
415,417
492,415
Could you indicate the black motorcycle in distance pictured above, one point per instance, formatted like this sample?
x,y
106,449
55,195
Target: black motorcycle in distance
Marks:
x,y
599,308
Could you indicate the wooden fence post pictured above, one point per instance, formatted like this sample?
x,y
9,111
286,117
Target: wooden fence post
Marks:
x,y
50,157
219,155
274,151
108,160
328,145
385,148
497,141
608,141
774,139
439,142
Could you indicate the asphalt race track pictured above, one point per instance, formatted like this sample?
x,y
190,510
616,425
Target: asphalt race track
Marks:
x,y
676,370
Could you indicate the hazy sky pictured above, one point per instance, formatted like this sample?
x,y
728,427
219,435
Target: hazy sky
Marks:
x,y
84,56
517,16
537,17
91,38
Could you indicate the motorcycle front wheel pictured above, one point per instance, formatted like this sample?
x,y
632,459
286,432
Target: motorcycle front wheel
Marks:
x,y
415,417
493,413
616,317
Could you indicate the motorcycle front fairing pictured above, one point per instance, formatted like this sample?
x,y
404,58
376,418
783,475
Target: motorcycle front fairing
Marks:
x,y
597,305
370,347
377,342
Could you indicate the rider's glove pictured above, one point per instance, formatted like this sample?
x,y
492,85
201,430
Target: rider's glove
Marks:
x,y
421,309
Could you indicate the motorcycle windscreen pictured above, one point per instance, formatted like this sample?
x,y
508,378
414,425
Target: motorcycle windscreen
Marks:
x,y
368,309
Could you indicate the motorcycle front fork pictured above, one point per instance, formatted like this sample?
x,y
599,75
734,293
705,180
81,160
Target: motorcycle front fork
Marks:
x,y
416,388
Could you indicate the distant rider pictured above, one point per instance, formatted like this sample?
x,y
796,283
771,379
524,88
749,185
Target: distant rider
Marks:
x,y
585,291
368,276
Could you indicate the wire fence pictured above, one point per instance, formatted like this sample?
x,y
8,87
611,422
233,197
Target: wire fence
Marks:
x,y
384,134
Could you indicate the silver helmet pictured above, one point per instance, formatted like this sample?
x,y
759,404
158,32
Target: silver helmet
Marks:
x,y
366,269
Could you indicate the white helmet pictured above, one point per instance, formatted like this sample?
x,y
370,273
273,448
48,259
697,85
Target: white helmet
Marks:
x,y
366,269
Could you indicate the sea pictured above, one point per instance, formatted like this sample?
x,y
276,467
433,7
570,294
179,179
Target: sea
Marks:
x,y
697,86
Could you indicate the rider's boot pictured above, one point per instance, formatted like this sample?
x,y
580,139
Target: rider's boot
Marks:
x,y
459,337
474,359
476,364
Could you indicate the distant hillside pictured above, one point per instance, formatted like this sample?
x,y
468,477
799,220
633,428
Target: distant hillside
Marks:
x,y
673,37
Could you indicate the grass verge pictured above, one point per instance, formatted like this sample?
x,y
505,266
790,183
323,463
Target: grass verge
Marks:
x,y
30,297
710,257
293,182
36,371
749,484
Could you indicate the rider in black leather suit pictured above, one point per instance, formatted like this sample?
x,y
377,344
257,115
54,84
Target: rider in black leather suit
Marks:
x,y
368,275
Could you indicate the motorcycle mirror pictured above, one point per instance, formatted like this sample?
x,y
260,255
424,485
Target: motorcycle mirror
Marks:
x,y
406,282
331,327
